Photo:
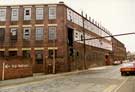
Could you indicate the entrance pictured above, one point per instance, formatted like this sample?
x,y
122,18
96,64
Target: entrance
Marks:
x,y
70,48
107,60
38,66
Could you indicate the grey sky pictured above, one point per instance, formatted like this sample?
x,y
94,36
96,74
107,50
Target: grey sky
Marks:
x,y
118,16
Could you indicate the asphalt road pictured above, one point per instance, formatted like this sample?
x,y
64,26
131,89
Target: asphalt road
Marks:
x,y
103,79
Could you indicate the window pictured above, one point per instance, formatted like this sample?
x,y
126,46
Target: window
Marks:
x,y
82,37
26,33
80,21
2,14
76,35
50,53
39,33
52,33
70,15
1,53
13,34
15,14
39,57
2,34
52,12
27,13
12,53
39,13
26,54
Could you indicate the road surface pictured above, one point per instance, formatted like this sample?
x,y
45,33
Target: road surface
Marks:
x,y
103,79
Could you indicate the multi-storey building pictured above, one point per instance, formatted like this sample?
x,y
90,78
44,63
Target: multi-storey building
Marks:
x,y
37,31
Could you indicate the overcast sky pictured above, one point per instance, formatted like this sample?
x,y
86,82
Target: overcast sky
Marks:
x,y
118,16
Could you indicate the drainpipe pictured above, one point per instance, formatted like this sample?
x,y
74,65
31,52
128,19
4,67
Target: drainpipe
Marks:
x,y
54,58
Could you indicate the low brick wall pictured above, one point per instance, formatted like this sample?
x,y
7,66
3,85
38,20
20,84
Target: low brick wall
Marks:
x,y
15,68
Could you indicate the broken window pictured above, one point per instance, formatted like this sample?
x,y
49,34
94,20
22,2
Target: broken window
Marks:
x,y
1,53
26,34
12,53
50,53
13,34
26,54
27,13
70,37
2,34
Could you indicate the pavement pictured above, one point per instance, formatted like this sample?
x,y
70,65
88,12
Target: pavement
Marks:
x,y
41,76
99,79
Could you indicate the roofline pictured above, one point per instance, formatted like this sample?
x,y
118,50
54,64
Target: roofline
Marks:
x,y
55,4
30,4
86,19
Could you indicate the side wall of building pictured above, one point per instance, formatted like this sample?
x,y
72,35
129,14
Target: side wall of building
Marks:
x,y
119,50
95,52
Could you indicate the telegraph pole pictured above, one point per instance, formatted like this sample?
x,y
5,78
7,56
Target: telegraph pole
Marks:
x,y
84,45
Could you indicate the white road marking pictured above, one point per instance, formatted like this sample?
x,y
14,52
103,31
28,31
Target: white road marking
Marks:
x,y
121,84
110,88
99,68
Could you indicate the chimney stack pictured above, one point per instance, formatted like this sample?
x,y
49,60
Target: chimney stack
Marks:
x,y
61,2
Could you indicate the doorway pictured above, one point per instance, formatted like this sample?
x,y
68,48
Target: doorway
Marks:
x,y
38,66
70,48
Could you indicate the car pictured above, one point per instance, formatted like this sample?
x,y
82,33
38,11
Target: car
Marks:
x,y
116,62
128,68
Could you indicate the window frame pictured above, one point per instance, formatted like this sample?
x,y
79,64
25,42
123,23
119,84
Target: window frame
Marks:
x,y
27,17
39,13
11,31
2,14
52,12
2,34
50,33
50,53
39,60
39,36
15,17
29,33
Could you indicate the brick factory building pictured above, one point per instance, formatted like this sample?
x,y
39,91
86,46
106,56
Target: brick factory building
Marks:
x,y
37,31
119,50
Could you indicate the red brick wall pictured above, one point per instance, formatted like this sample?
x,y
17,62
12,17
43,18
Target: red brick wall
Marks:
x,y
15,68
